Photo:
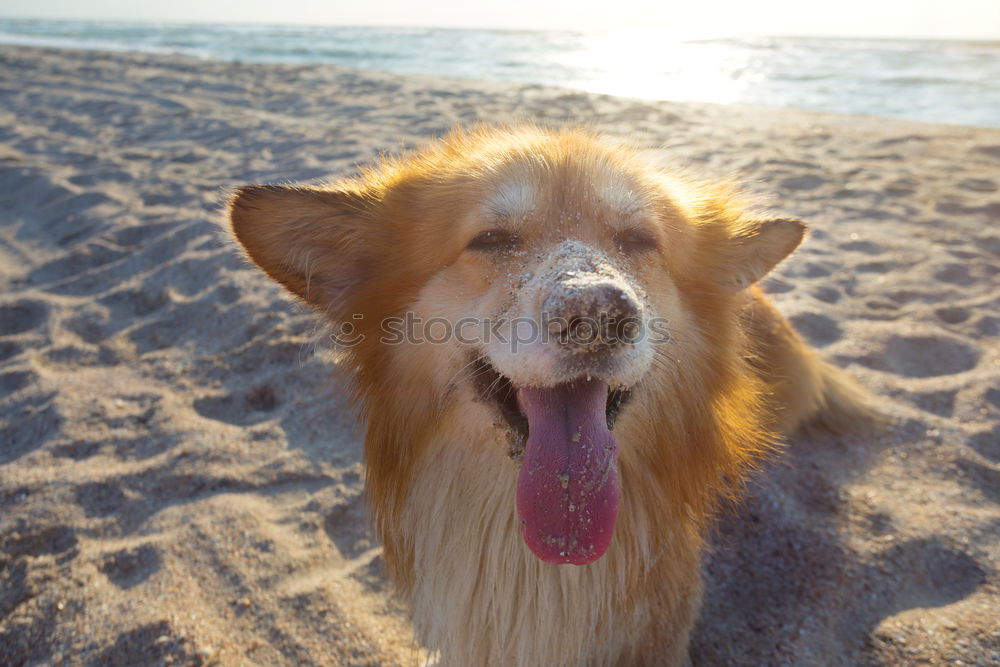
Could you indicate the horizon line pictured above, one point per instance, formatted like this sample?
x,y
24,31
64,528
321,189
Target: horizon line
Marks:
x,y
690,36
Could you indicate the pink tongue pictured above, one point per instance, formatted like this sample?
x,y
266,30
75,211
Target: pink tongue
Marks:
x,y
567,491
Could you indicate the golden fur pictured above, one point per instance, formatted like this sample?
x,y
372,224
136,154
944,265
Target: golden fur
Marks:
x,y
731,379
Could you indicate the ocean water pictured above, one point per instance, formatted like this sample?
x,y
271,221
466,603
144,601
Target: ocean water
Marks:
x,y
934,81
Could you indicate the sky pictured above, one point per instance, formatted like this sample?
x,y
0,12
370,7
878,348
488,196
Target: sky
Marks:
x,y
959,19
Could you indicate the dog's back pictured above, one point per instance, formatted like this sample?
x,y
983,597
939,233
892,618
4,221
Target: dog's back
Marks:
x,y
806,391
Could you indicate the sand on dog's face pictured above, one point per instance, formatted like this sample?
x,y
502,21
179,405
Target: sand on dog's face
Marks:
x,y
560,209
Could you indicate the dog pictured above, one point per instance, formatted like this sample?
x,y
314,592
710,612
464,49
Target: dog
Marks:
x,y
565,364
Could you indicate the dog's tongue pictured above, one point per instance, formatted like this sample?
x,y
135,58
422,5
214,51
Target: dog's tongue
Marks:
x,y
567,492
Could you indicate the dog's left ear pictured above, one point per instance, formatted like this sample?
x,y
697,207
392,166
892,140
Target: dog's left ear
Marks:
x,y
313,241
754,249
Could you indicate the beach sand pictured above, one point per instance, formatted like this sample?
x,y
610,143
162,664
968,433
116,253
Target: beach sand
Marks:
x,y
180,471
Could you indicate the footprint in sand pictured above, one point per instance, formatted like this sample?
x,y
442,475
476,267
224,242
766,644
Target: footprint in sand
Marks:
x,y
91,325
9,349
922,356
239,409
158,644
953,314
803,182
86,258
826,294
992,396
775,285
901,187
140,235
129,567
14,381
26,425
918,574
987,444
346,526
39,541
978,185
928,356
988,325
22,316
175,325
14,588
941,403
818,329
101,499
992,151
866,247
77,450
955,274
878,267
983,476
128,302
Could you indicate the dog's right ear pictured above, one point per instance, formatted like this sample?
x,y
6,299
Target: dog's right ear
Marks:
x,y
756,247
312,241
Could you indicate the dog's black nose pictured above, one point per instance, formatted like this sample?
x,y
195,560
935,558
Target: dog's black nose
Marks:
x,y
590,315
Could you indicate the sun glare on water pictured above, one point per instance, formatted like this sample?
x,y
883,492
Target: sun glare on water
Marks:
x,y
656,65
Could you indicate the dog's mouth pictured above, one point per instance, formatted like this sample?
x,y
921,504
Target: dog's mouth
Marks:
x,y
496,388
567,493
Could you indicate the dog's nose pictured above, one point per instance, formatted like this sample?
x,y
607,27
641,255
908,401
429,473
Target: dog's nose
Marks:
x,y
592,316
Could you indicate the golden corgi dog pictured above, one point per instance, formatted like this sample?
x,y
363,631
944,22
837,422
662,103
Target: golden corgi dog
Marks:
x,y
564,366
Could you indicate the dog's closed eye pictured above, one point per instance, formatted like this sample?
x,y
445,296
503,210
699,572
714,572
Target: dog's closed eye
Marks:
x,y
494,240
633,241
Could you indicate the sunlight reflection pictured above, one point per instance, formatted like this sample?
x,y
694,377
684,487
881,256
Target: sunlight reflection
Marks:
x,y
657,65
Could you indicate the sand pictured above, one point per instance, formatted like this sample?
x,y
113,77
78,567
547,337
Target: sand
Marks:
x,y
180,471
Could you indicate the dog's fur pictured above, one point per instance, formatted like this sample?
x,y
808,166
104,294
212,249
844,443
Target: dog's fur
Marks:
x,y
705,404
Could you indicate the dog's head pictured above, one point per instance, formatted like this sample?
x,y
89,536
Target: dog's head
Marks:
x,y
543,281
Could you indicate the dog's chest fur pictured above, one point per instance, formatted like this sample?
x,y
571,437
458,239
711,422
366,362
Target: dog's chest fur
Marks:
x,y
483,596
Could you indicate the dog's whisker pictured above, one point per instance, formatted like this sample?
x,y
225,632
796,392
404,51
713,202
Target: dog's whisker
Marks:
x,y
456,376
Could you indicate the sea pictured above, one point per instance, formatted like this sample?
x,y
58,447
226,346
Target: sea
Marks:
x,y
956,82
